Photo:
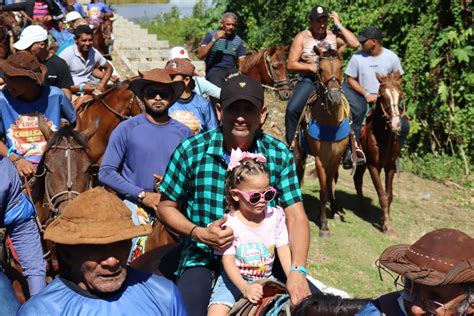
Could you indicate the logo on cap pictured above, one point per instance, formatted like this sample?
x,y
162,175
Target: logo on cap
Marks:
x,y
320,10
174,65
242,84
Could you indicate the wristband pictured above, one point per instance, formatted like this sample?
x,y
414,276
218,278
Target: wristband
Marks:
x,y
339,27
81,87
366,94
11,151
300,269
191,232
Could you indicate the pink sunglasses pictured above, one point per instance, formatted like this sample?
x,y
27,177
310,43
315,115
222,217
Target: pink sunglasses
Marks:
x,y
254,197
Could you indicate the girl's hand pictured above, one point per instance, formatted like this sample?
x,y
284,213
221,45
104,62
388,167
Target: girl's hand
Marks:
x,y
253,292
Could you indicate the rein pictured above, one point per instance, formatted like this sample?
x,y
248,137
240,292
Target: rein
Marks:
x,y
269,67
121,116
323,85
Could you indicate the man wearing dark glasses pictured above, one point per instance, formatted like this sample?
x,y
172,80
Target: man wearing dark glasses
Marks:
x,y
139,148
193,188
436,276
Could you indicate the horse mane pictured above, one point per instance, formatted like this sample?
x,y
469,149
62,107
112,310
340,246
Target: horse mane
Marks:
x,y
252,60
66,131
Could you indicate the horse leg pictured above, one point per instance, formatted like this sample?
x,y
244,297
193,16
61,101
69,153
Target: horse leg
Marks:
x,y
323,197
359,181
383,200
389,175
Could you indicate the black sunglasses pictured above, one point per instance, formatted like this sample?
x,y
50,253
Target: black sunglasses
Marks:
x,y
151,93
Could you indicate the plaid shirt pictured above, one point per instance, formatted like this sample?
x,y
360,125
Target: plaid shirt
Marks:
x,y
195,178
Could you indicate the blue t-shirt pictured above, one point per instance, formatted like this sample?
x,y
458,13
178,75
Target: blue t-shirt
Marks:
x,y
19,120
138,149
141,294
195,112
96,12
225,52
15,207
62,37
364,66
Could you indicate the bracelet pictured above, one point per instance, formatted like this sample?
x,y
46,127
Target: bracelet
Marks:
x,y
11,151
366,94
300,269
191,232
339,27
81,87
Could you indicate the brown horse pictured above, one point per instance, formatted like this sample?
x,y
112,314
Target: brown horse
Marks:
x,y
112,107
328,109
103,37
380,143
268,66
9,31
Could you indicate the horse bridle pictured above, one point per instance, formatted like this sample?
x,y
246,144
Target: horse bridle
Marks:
x,y
52,201
384,107
323,85
121,116
270,67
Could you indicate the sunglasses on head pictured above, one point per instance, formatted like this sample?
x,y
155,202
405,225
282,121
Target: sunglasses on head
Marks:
x,y
254,197
152,93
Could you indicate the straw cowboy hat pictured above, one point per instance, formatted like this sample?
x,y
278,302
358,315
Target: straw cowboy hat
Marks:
x,y
94,217
24,64
441,257
156,76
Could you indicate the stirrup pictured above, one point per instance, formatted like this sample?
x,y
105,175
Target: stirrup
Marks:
x,y
360,157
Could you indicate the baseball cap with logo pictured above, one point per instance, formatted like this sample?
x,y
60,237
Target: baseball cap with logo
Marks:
x,y
72,16
180,66
178,52
30,35
318,12
241,87
370,33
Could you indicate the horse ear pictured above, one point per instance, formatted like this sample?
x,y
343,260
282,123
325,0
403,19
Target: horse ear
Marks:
x,y
90,131
398,77
380,78
272,50
318,50
44,127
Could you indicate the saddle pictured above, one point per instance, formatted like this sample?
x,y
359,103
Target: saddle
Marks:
x,y
275,301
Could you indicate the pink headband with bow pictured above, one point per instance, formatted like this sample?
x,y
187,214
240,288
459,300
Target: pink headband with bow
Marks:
x,y
237,156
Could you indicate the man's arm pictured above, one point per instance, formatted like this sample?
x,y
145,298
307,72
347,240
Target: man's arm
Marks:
x,y
24,167
355,85
298,231
296,50
348,36
207,44
105,78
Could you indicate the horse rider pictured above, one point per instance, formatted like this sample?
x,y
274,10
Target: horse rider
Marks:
x,y
17,215
34,39
223,51
69,6
191,109
362,87
192,192
93,237
140,148
97,11
21,102
303,60
203,87
46,12
73,20
65,32
436,276
82,58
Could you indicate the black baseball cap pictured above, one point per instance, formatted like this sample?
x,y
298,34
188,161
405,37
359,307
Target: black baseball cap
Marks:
x,y
318,12
370,32
241,87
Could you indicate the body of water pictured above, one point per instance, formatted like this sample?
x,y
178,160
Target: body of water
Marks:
x,y
139,11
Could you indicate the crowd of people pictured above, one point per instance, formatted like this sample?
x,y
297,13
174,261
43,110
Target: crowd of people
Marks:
x,y
197,161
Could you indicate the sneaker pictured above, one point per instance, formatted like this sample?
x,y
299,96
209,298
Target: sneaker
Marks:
x,y
347,160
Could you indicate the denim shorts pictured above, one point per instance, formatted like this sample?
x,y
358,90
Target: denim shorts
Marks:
x,y
224,292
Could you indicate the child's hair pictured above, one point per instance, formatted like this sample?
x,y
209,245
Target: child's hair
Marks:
x,y
328,305
238,174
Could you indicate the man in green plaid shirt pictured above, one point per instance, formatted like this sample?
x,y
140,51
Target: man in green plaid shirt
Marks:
x,y
192,201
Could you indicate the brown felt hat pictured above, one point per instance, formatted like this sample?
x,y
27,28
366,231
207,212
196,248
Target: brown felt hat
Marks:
x,y
24,64
180,66
441,257
94,217
156,75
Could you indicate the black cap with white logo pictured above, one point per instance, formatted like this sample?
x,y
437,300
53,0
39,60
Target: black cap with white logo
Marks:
x,y
241,87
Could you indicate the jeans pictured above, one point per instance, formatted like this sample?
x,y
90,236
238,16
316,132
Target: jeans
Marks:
x,y
359,110
26,240
217,75
9,304
303,90
195,285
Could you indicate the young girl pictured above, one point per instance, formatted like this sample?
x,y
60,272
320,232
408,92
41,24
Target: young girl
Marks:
x,y
259,230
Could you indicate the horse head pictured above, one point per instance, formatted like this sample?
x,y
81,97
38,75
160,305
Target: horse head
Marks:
x,y
107,29
65,164
390,97
275,62
330,75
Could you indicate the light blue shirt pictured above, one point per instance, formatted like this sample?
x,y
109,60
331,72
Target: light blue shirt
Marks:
x,y
364,66
81,69
206,88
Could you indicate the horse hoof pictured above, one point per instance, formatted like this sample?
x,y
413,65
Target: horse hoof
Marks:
x,y
324,234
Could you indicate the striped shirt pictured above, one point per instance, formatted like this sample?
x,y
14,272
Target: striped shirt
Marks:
x,y
195,178
40,10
